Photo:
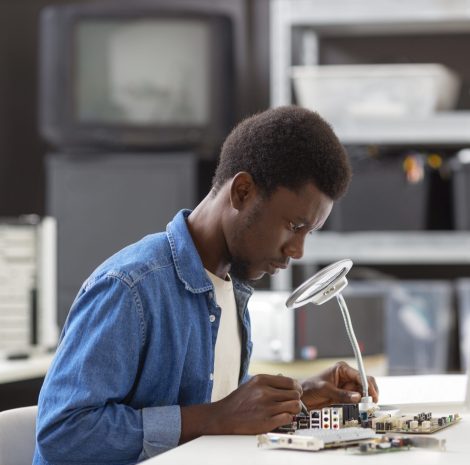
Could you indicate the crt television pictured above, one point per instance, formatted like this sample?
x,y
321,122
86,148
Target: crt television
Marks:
x,y
135,74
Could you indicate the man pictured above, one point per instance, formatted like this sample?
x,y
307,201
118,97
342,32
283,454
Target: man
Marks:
x,y
156,347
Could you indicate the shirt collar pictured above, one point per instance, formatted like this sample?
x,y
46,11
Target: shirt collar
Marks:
x,y
186,258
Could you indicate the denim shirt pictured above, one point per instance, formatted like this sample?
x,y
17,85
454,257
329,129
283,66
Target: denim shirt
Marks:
x,y
138,343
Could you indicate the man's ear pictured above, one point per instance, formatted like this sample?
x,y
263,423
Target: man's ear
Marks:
x,y
242,190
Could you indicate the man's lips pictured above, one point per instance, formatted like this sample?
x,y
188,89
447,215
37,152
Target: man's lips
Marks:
x,y
283,266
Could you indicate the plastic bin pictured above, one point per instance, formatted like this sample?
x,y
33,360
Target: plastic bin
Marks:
x,y
312,332
386,90
381,198
320,330
419,323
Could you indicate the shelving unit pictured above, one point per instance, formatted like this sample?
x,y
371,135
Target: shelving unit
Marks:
x,y
443,129
321,18
297,29
389,247
298,25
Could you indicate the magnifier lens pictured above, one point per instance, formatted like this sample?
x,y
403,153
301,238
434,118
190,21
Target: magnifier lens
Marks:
x,y
325,281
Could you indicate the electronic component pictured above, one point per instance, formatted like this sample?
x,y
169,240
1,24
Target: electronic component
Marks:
x,y
300,421
333,438
342,425
344,416
394,443
383,444
315,439
422,423
325,418
289,441
336,417
315,418
350,411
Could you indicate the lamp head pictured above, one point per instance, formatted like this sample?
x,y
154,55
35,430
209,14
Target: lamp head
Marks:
x,y
322,286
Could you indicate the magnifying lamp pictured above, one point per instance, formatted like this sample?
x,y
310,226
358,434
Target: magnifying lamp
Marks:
x,y
322,287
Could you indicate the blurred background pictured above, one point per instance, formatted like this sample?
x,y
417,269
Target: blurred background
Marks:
x,y
112,114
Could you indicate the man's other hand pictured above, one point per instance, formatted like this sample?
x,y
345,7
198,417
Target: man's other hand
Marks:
x,y
339,384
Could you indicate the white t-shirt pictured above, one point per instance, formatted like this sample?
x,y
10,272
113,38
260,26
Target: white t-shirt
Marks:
x,y
228,345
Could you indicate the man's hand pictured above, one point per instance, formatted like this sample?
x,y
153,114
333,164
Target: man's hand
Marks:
x,y
340,384
260,405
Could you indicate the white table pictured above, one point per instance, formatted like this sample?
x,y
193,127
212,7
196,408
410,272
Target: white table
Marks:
x,y
20,370
243,450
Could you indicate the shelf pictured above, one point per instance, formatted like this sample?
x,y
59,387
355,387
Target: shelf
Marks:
x,y
384,16
384,247
446,128
381,248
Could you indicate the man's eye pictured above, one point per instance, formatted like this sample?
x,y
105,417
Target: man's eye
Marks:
x,y
294,227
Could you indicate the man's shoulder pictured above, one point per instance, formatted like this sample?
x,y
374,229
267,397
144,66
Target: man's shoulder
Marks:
x,y
130,264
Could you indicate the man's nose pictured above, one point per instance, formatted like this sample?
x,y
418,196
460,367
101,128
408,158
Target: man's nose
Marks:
x,y
295,247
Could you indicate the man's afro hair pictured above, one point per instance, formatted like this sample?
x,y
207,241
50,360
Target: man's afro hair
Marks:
x,y
285,146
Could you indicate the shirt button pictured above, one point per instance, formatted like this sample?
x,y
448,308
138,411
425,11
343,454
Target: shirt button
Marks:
x,y
212,318
211,376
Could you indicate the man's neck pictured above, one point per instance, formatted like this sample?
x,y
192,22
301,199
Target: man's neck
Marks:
x,y
205,227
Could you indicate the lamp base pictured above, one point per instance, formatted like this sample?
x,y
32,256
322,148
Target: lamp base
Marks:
x,y
367,405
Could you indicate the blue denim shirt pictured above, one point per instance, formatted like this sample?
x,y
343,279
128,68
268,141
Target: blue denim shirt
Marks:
x,y
138,344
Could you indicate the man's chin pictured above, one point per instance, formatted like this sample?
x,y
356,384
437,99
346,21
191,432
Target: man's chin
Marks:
x,y
257,276
246,275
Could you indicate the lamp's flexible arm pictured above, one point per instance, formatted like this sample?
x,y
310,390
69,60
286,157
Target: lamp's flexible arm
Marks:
x,y
355,345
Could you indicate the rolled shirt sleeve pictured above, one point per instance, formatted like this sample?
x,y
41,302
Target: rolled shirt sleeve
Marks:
x,y
162,429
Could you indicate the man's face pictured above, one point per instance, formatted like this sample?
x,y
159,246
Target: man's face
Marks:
x,y
268,232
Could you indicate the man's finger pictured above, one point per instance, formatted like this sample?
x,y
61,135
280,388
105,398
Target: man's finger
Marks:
x,y
374,383
348,373
280,395
278,381
373,386
338,395
346,397
292,407
280,420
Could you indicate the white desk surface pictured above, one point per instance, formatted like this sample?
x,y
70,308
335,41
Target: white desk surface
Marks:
x,y
20,370
243,450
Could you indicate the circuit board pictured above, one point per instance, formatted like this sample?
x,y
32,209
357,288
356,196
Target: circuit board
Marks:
x,y
356,439
342,416
371,432
315,439
396,443
422,423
